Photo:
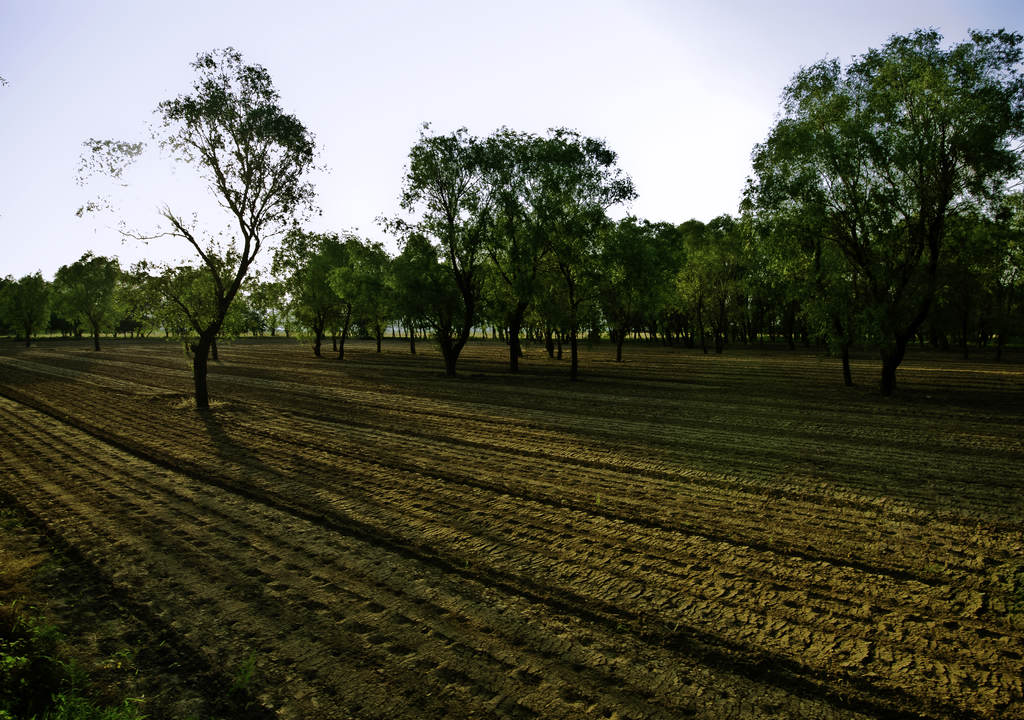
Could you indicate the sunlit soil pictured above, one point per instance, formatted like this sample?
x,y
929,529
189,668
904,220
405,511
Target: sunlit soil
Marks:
x,y
675,535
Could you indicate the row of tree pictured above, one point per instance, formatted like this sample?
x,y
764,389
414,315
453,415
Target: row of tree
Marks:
x,y
695,285
881,209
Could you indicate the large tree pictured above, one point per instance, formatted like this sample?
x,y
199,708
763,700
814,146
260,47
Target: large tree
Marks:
x,y
25,304
511,165
579,180
365,282
85,290
636,264
885,150
425,293
306,261
254,158
443,187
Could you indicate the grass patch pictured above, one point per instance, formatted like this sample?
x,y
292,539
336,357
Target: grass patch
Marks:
x,y
36,682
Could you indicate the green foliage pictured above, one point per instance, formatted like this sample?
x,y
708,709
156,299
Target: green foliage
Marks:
x,y
882,153
36,683
253,154
263,305
637,261
425,292
365,282
25,304
71,706
254,158
443,187
138,299
85,291
245,676
305,262
30,671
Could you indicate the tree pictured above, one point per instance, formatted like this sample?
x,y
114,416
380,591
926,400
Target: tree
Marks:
x,y
809,277
266,304
420,283
1009,281
254,158
365,281
578,182
885,152
26,304
634,267
306,261
443,185
511,163
138,300
85,290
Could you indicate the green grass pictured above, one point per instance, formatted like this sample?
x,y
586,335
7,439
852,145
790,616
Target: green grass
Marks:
x,y
37,684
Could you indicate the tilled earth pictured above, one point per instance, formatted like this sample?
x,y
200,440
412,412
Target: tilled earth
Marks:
x,y
676,536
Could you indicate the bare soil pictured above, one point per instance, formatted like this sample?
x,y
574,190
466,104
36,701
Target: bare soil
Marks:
x,y
678,535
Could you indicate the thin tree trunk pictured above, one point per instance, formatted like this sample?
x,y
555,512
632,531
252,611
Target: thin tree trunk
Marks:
x,y
515,325
341,341
700,326
964,321
574,367
199,366
847,377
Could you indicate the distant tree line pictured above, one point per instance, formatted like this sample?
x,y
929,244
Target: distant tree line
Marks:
x,y
882,211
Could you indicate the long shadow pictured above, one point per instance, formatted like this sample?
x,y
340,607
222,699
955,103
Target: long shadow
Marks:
x,y
216,422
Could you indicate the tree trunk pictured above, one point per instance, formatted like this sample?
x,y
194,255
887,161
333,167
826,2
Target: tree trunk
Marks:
x,y
341,342
380,335
199,365
891,358
620,337
28,335
95,337
412,340
317,340
560,335
549,342
574,367
450,356
847,377
700,326
515,325
788,322
964,323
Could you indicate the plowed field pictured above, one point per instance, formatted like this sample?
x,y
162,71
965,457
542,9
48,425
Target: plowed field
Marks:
x,y
675,536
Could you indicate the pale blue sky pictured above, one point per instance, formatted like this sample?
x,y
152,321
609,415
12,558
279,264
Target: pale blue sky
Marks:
x,y
681,90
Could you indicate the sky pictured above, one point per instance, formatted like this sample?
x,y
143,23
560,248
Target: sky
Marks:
x,y
682,90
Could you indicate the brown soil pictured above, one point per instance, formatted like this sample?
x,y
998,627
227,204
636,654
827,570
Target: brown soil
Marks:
x,y
679,535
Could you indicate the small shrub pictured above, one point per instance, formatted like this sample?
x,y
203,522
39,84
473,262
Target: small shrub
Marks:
x,y
35,683
29,669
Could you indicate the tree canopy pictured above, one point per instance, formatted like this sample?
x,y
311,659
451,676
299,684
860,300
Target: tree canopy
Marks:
x,y
885,151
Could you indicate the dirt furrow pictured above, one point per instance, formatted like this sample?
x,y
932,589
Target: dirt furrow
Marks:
x,y
145,520
522,559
